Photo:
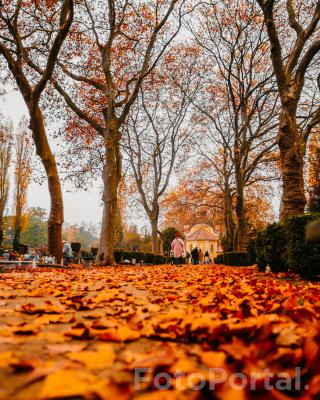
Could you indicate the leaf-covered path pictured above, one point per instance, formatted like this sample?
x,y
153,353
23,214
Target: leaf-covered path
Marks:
x,y
126,332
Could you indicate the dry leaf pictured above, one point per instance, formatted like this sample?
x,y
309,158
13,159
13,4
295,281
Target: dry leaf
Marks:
x,y
102,357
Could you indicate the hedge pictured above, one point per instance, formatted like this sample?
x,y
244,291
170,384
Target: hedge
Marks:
x,y
147,258
303,256
283,246
261,255
251,250
274,243
76,247
233,258
121,255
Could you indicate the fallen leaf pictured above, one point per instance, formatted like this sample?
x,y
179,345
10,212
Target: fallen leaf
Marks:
x,y
213,359
7,358
103,357
121,334
67,383
65,348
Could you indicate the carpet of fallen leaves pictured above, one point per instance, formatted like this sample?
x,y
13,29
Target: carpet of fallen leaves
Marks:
x,y
82,334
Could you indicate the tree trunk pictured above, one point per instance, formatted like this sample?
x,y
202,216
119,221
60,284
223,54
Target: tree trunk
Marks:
x,y
154,236
55,219
1,228
16,240
17,223
292,152
241,235
160,243
111,180
228,222
241,231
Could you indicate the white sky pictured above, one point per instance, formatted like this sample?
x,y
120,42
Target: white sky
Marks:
x,y
78,206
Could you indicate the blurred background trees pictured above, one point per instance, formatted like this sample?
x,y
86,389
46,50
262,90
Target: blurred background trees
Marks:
x,y
5,160
22,172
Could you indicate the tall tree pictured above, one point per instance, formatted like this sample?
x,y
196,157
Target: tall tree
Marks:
x,y
199,197
112,48
293,31
35,232
22,172
238,96
157,131
216,178
35,32
5,160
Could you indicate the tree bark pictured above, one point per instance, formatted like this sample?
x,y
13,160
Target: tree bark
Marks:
x,y
1,227
16,240
228,221
111,180
55,219
241,232
154,236
31,93
292,152
241,235
290,71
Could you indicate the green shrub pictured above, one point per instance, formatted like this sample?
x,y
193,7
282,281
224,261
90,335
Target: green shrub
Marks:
x,y
275,247
76,247
271,248
233,258
149,258
127,255
94,251
136,255
85,253
260,251
117,254
303,257
251,249
160,260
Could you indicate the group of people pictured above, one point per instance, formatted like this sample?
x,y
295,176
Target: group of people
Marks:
x,y
178,252
197,256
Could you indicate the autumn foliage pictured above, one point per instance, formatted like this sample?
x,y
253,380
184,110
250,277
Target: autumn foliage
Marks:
x,y
83,333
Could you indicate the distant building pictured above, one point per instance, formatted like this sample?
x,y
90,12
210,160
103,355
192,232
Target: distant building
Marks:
x,y
205,238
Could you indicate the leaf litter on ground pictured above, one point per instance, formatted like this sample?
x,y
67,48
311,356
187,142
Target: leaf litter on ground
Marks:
x,y
83,333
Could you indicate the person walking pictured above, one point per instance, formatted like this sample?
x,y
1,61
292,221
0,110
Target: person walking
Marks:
x,y
67,253
195,256
206,257
178,249
200,257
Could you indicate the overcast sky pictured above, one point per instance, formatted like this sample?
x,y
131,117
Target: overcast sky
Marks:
x,y
78,206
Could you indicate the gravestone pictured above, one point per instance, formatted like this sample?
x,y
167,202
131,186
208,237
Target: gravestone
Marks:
x,y
313,232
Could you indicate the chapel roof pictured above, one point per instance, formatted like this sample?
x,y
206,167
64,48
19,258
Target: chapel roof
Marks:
x,y
202,232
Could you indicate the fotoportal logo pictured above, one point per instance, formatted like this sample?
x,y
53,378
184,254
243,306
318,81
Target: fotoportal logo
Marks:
x,y
215,377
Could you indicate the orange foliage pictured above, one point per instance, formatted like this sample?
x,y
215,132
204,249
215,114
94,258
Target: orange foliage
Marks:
x,y
84,333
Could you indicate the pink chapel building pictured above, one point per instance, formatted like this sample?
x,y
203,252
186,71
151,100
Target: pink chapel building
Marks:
x,y
205,237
